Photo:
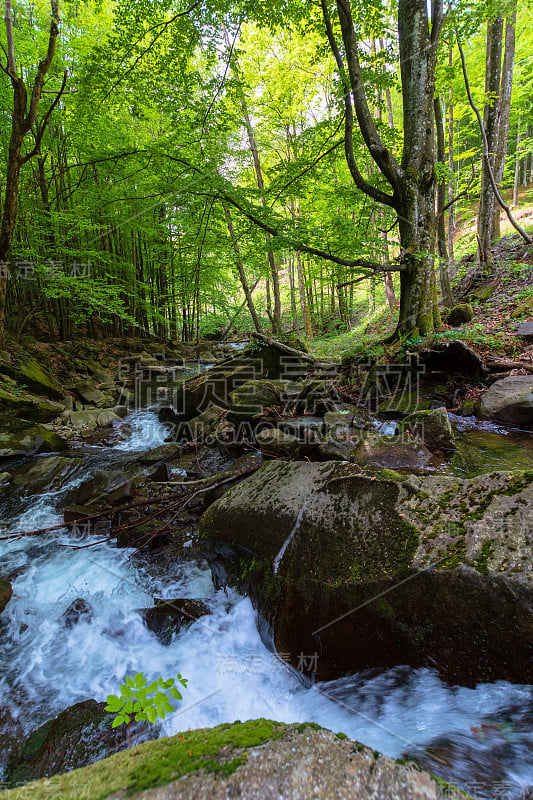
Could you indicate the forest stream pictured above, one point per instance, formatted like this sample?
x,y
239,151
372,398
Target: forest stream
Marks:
x,y
478,738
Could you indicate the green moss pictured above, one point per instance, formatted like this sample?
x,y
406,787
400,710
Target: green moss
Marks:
x,y
157,763
454,554
341,736
481,563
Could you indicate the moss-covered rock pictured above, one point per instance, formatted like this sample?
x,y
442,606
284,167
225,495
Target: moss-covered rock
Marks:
x,y
250,399
372,570
22,438
28,372
76,737
257,759
460,314
27,406
431,427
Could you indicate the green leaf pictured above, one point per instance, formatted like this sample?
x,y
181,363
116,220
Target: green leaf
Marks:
x,y
117,721
151,714
130,682
174,693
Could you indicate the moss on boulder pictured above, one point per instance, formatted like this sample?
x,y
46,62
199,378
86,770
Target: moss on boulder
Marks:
x,y
257,759
30,373
372,569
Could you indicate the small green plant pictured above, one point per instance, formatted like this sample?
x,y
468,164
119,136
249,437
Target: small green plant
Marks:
x,y
143,701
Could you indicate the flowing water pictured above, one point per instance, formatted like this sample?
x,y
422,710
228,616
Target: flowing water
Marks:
x,y
481,738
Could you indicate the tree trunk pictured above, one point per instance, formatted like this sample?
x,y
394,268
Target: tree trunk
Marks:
x,y
22,120
240,268
445,287
517,164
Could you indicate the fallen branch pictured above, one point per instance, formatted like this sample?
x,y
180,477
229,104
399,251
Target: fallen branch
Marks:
x,y
291,351
504,364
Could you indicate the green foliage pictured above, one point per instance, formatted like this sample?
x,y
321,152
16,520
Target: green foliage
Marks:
x,y
143,701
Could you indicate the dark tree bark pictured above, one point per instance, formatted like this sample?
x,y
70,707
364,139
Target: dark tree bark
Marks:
x,y
23,118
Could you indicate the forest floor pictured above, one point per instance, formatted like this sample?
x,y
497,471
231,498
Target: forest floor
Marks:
x,y
500,303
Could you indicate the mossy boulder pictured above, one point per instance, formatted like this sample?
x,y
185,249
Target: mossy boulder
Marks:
x,y
22,438
524,307
277,443
460,315
28,372
257,759
250,399
6,593
377,569
431,427
76,737
28,407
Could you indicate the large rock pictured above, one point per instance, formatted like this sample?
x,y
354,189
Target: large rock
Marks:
x,y
29,407
460,314
90,394
92,418
21,438
108,485
525,331
168,617
396,452
215,385
431,427
509,400
251,398
30,373
373,570
46,474
254,760
6,593
77,736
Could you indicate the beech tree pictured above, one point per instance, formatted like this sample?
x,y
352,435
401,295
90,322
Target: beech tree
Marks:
x,y
23,119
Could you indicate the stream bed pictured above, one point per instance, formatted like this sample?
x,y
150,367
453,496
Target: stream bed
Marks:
x,y
480,738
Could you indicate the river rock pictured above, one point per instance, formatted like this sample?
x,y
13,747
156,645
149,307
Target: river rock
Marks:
x,y
79,610
431,427
167,617
108,485
250,399
306,429
383,569
90,394
255,760
6,593
47,474
394,452
509,400
451,358
23,438
92,418
77,736
274,442
165,452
